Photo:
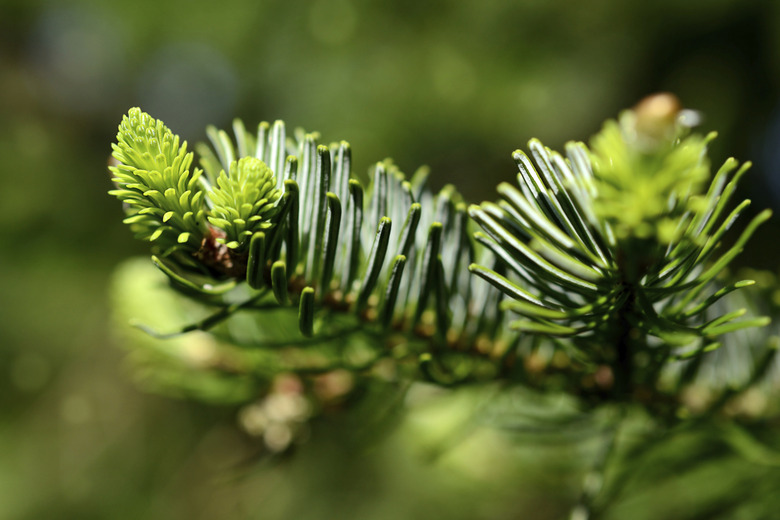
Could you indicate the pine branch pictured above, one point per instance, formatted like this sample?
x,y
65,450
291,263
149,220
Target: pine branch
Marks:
x,y
391,254
609,255
616,246
602,273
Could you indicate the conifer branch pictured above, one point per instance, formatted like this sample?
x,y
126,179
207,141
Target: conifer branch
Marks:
x,y
610,255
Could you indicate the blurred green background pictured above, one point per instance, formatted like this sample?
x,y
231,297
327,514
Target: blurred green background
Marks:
x,y
454,85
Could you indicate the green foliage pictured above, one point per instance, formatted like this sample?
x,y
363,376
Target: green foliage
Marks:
x,y
646,169
603,274
164,200
618,248
243,203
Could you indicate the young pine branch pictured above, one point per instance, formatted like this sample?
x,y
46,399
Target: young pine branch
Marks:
x,y
594,273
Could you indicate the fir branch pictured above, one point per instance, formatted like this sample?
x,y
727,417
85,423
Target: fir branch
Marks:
x,y
615,246
389,254
601,273
612,250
